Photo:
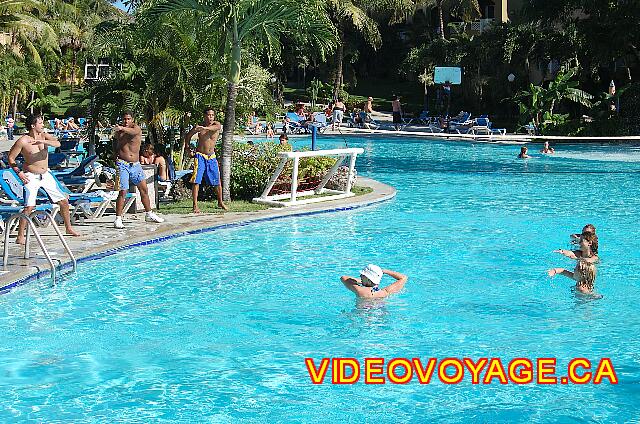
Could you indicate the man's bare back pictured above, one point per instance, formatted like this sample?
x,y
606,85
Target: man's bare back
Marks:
x,y
128,140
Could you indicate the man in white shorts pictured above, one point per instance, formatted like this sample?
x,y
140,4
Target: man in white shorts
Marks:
x,y
35,172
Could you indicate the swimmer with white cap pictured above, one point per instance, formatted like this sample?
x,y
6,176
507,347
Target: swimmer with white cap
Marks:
x,y
368,285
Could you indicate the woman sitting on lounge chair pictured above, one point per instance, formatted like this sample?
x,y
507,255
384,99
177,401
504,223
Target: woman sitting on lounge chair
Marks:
x,y
149,156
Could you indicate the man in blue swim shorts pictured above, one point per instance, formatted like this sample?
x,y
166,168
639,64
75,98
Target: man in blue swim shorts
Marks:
x,y
205,164
127,151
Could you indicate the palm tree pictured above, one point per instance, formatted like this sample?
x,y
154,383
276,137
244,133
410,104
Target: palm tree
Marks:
x,y
241,23
351,13
538,100
26,34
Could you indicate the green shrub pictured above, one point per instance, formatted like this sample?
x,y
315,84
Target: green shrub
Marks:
x,y
630,110
253,165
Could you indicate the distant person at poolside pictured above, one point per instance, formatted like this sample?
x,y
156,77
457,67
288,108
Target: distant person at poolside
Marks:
x,y
11,123
584,272
368,285
284,139
205,164
270,132
368,109
35,173
397,112
253,123
59,125
546,149
338,113
71,125
328,111
128,138
523,153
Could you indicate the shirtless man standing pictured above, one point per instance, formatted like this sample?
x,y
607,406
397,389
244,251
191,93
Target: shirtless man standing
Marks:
x,y
205,164
35,172
127,151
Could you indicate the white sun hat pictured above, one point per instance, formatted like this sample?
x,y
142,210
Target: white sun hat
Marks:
x,y
373,273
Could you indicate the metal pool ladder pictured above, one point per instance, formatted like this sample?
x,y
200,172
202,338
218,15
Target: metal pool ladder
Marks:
x,y
32,227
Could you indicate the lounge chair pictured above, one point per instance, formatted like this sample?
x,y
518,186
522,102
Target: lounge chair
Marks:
x,y
164,187
13,191
6,211
81,177
294,125
320,121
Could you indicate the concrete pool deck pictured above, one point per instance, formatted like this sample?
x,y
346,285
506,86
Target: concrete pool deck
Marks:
x,y
99,236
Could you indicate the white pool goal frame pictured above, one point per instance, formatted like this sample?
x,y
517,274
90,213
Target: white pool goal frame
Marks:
x,y
279,199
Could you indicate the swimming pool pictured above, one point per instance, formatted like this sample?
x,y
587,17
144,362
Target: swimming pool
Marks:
x,y
215,327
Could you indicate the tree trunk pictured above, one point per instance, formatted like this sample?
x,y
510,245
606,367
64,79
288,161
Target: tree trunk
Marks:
x,y
337,84
33,95
227,139
230,113
441,19
73,70
15,104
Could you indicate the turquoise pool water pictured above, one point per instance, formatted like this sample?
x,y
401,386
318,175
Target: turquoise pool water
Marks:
x,y
215,327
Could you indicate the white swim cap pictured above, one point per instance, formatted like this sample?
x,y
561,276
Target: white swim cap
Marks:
x,y
373,273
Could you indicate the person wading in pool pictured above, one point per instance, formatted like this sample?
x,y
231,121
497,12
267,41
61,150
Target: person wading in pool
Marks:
x,y
368,285
128,138
589,228
205,164
585,271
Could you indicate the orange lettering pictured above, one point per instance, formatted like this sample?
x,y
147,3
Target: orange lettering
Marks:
x,y
456,377
317,376
605,369
475,368
525,375
408,371
573,375
339,370
546,366
495,370
373,366
424,374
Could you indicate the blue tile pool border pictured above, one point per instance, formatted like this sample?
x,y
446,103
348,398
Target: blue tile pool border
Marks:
x,y
109,252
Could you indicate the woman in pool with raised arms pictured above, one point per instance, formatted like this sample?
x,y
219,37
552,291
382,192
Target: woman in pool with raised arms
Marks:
x,y
368,285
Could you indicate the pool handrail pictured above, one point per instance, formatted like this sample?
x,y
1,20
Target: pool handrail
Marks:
x,y
278,199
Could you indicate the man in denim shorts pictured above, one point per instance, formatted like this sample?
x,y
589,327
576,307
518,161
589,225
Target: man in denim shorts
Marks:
x,y
127,151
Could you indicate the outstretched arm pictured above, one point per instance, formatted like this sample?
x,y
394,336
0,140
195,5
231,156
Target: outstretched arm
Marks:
x,y
127,130
555,271
571,254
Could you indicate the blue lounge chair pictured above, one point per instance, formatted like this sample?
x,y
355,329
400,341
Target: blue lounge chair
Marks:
x,y
6,211
320,121
13,191
57,160
294,125
80,176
